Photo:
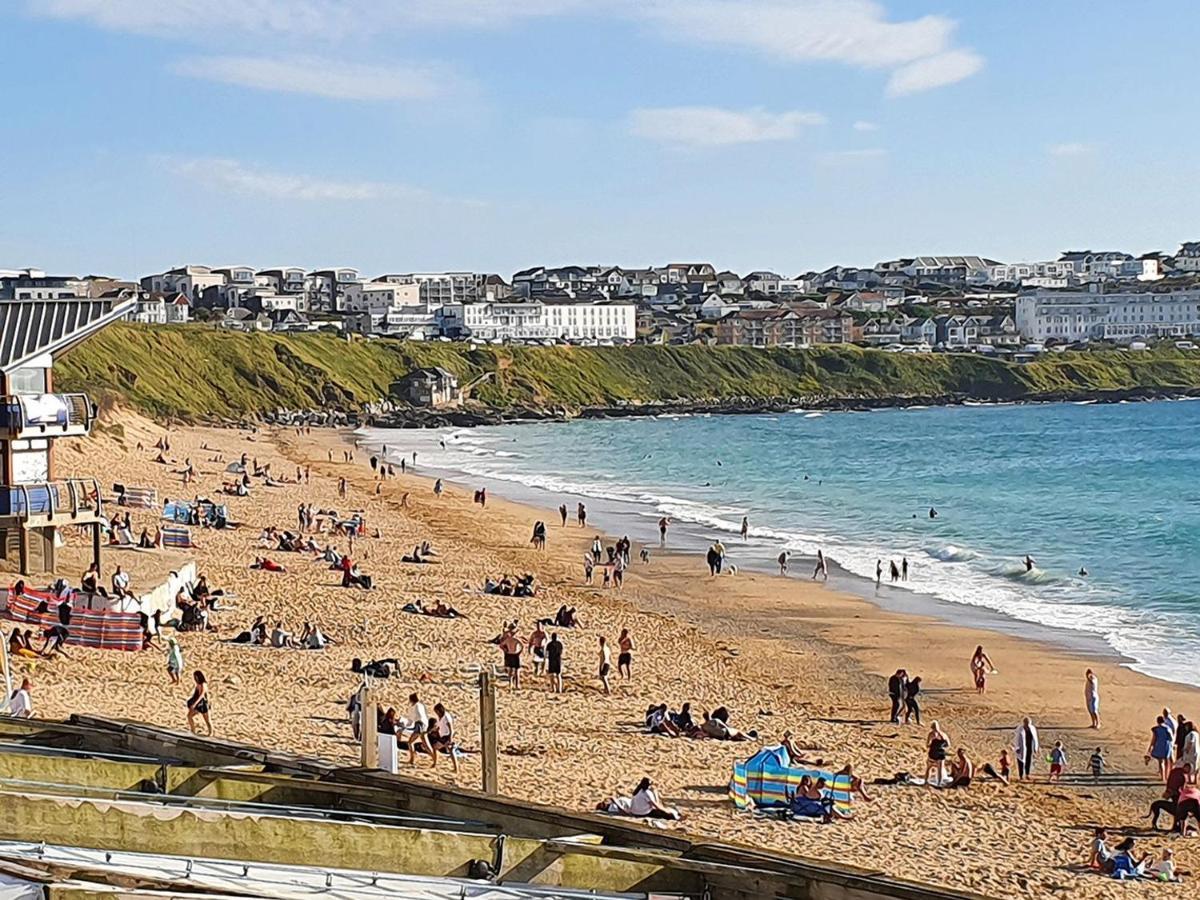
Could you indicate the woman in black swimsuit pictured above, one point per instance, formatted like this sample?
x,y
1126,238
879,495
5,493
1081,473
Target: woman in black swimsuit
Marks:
x,y
198,703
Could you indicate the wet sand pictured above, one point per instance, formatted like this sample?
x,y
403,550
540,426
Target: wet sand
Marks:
x,y
780,653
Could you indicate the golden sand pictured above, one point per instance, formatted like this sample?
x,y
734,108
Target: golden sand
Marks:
x,y
780,653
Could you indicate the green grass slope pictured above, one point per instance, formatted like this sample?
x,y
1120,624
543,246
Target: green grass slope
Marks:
x,y
197,372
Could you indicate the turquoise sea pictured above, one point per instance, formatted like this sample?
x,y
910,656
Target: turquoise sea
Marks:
x,y
1113,489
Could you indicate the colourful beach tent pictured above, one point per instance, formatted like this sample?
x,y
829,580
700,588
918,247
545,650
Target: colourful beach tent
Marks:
x,y
106,629
767,780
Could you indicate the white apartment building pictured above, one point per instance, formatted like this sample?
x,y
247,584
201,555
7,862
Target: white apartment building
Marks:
x,y
546,319
379,296
440,288
327,288
189,280
1121,317
1057,272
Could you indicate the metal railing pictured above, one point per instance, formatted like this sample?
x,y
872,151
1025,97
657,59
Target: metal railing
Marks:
x,y
74,411
74,499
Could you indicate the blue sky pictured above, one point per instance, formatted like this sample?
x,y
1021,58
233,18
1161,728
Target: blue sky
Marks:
x,y
496,134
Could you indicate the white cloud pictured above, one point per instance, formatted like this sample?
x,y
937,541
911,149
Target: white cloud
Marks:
x,y
235,177
862,125
840,157
1071,148
920,51
934,71
710,126
849,31
327,18
319,77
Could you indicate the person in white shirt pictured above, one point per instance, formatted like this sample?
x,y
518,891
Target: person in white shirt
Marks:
x,y
120,582
418,730
443,737
20,705
644,804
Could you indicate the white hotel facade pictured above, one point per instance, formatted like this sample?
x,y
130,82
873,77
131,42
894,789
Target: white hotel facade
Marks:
x,y
537,320
1121,317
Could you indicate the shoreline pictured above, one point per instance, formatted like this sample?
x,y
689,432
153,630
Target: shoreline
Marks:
x,y
780,654
458,417
616,517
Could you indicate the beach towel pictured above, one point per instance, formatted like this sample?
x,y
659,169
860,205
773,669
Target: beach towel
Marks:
x,y
138,497
766,780
106,629
176,536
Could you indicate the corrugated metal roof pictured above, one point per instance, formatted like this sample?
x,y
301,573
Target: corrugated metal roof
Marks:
x,y
29,328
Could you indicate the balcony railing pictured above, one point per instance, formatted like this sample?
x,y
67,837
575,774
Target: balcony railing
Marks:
x,y
35,415
76,500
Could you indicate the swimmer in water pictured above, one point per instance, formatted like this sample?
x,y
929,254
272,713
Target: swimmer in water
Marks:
x,y
1083,573
745,527
932,513
1029,563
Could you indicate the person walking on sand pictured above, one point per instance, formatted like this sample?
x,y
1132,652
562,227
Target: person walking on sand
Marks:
x,y
897,686
562,512
1091,696
510,645
554,662
198,705
625,655
912,708
981,665
1161,748
537,648
581,515
418,730
437,488
605,665
174,659
663,524
745,527
1025,747
821,568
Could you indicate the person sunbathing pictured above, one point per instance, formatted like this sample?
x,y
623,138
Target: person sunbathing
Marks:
x,y
267,565
282,639
352,577
658,721
256,635
644,804
717,726
796,752
313,638
415,557
442,611
376,668
18,645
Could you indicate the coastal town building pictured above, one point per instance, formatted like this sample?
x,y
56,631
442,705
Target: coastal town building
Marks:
x,y
1188,257
431,387
1071,316
439,288
34,284
551,318
783,327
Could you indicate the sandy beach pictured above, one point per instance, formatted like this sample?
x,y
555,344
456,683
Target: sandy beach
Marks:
x,y
780,653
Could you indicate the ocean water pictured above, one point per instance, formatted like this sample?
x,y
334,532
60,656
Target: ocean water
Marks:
x,y
1112,488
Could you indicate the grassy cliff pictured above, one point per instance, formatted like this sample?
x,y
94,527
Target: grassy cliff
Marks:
x,y
197,372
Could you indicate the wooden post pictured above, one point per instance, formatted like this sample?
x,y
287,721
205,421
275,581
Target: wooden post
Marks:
x,y
487,729
370,731
96,545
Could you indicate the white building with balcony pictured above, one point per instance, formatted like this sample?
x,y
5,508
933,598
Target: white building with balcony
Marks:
x,y
564,318
1121,317
439,288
